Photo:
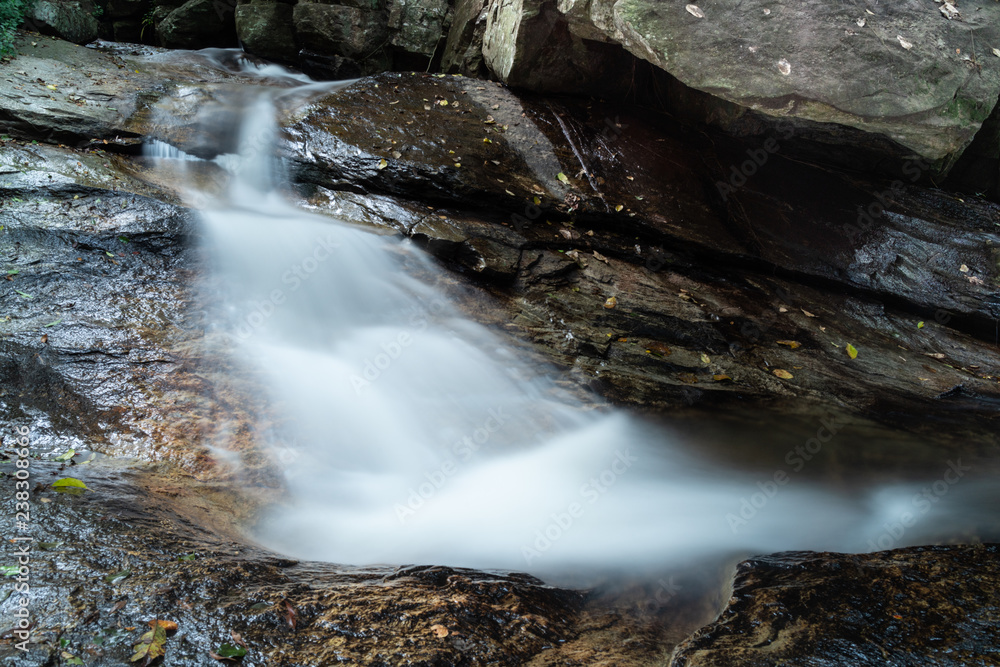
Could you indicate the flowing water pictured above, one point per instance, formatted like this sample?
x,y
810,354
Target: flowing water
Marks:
x,y
411,434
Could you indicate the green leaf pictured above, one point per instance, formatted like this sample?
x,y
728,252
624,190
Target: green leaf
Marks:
x,y
13,272
74,661
230,651
120,238
920,325
562,177
66,456
115,577
48,546
24,294
9,570
186,557
852,351
69,482
109,254
52,324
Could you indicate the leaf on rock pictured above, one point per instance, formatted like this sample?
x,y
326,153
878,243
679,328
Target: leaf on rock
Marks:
x,y
9,570
905,44
439,630
115,577
659,350
721,377
705,359
688,378
794,344
920,325
934,355
601,258
807,313
383,163
24,294
695,11
66,456
996,52
52,324
562,177
151,645
611,302
290,614
168,626
69,483
228,652
783,374
852,351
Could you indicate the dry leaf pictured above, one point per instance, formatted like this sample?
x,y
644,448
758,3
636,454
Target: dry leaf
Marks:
x,y
659,349
861,22
794,344
783,374
600,258
963,268
721,377
168,626
611,302
705,359
807,313
695,11
996,52
382,164
784,67
439,630
949,11
935,355
905,44
688,378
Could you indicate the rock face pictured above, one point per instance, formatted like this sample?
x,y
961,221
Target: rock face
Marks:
x,y
198,24
905,74
463,52
265,29
420,26
928,606
357,33
73,20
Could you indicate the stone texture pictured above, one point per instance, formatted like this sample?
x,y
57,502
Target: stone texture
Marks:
x,y
265,30
934,606
358,34
463,52
198,24
419,25
73,20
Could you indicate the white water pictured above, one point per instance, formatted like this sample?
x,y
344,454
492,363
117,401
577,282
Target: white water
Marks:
x,y
415,435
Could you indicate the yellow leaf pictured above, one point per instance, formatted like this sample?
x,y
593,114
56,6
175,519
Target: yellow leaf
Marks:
x,y
852,351
487,140
383,163
807,313
794,344
783,374
50,87
920,325
721,377
537,201
611,302
619,207
705,359
562,177
443,103
69,482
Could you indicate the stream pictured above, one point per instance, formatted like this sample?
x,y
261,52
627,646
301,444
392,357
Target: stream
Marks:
x,y
408,433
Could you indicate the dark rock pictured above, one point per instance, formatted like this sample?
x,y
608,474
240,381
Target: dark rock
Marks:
x,y
358,34
918,606
419,26
265,30
463,51
118,9
328,68
130,31
72,20
199,24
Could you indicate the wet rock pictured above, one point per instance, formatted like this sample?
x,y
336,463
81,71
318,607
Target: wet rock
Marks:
x,y
72,20
924,605
419,27
265,30
198,24
463,52
359,34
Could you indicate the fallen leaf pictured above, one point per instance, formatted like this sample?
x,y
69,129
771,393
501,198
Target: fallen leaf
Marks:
x,y
920,325
439,630
115,577
562,177
807,313
290,614
598,256
66,456
383,163
705,359
619,207
151,645
852,351
905,44
169,626
935,355
228,652
69,482
659,350
996,52
861,22
237,638
721,377
784,67
695,11
964,268
783,374
611,302
794,344
688,378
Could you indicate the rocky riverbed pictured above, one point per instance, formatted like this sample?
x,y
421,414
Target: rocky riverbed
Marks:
x,y
654,264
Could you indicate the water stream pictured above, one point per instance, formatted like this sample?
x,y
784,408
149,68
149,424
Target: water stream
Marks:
x,y
411,434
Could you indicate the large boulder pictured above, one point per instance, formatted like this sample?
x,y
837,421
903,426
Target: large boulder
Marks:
x,y
418,25
900,73
463,52
357,33
73,20
265,29
198,24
